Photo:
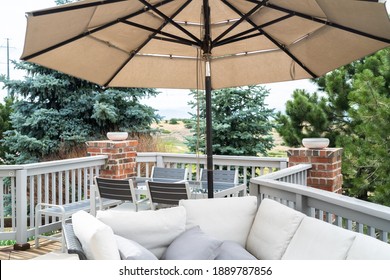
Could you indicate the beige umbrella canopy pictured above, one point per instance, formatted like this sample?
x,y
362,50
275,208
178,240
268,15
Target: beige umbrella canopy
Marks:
x,y
174,43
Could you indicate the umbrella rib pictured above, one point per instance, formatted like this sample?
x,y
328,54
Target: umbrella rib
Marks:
x,y
331,24
171,21
280,46
238,37
87,33
155,31
132,55
187,43
244,17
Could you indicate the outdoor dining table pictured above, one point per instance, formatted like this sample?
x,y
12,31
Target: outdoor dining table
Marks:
x,y
198,188
221,189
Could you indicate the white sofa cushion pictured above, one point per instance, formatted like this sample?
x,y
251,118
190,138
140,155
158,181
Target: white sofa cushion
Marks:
x,y
154,230
223,218
368,248
274,226
96,238
318,240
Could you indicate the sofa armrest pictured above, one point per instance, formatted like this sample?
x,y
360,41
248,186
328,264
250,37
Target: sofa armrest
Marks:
x,y
73,245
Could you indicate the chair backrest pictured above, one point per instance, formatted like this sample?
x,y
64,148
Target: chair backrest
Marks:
x,y
168,193
163,174
221,176
117,189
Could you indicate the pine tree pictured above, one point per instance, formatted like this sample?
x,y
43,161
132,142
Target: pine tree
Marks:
x,y
242,124
354,114
55,112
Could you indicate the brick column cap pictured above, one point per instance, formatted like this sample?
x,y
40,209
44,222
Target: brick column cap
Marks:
x,y
326,152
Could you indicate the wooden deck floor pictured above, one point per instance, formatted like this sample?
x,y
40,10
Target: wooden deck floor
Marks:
x,y
46,246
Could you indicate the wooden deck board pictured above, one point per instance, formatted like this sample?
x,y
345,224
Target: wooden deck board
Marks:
x,y
46,246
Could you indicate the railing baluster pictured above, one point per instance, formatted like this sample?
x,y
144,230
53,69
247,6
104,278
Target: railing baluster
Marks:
x,y
79,186
339,221
46,192
371,231
360,227
53,188
147,172
73,184
85,182
67,193
32,203
383,235
13,207
245,179
60,188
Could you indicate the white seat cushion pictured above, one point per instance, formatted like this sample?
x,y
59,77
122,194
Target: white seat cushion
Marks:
x,y
96,238
318,240
154,230
274,226
368,248
223,218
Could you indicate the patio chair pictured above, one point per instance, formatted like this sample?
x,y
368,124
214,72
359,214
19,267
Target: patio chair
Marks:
x,y
222,178
167,193
163,174
158,174
120,190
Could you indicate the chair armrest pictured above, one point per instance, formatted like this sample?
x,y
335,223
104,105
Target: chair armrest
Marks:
x,y
73,245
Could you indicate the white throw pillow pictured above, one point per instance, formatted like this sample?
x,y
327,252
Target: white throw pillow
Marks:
x,y
97,239
131,250
154,230
318,240
368,248
223,218
272,230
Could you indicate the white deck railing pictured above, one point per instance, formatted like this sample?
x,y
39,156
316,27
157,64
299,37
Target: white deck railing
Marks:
x,y
66,181
343,211
250,166
56,182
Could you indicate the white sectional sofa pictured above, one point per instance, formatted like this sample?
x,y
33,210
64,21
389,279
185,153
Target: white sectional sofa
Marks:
x,y
221,228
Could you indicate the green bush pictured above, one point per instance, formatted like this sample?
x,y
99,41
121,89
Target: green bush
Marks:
x,y
173,121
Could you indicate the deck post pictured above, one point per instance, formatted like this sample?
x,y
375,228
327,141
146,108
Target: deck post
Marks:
x,y
21,211
326,163
121,162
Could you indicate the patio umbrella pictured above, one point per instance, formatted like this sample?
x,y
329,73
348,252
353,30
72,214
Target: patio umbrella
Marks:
x,y
204,44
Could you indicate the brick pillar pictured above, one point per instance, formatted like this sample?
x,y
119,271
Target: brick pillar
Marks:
x,y
121,157
326,167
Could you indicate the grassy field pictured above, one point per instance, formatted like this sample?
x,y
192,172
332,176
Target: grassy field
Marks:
x,y
172,138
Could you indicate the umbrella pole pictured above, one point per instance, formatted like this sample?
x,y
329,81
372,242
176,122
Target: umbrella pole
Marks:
x,y
209,132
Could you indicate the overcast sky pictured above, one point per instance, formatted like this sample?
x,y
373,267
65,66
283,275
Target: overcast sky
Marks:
x,y
170,103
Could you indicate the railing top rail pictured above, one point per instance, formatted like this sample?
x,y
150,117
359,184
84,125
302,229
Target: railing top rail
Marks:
x,y
236,160
369,208
286,172
56,163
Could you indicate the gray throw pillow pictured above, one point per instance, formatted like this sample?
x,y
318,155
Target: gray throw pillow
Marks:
x,y
131,250
192,244
230,250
